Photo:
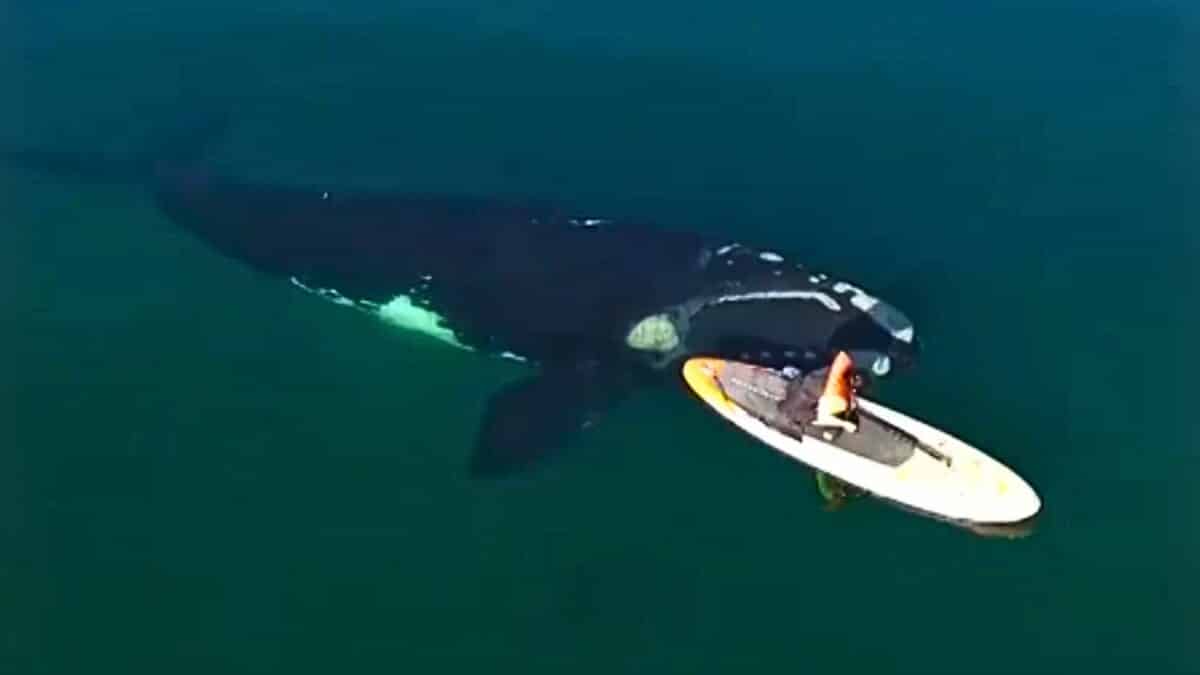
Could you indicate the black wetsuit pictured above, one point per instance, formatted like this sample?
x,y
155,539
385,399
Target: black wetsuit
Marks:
x,y
800,404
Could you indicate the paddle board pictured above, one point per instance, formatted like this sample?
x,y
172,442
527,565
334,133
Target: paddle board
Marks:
x,y
892,456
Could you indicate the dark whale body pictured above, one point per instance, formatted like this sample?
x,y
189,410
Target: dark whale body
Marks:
x,y
595,307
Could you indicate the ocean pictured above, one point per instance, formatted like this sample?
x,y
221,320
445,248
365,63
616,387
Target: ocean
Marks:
x,y
204,470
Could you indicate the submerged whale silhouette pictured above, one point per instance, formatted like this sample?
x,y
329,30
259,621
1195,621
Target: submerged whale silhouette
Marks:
x,y
595,306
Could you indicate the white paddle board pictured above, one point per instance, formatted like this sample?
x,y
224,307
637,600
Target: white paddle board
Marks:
x,y
925,470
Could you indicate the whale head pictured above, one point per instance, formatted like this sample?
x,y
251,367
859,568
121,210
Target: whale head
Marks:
x,y
757,306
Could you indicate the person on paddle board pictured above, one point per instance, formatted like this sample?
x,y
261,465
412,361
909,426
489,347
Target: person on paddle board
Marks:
x,y
825,399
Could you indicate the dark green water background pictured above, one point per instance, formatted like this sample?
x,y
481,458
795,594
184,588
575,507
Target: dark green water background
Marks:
x,y
204,471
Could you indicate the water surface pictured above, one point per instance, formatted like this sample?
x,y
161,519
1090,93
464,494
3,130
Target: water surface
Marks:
x,y
206,471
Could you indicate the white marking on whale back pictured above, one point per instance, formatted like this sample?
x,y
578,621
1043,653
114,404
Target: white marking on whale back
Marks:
x,y
885,315
820,297
330,294
513,357
727,248
770,256
860,299
588,222
300,284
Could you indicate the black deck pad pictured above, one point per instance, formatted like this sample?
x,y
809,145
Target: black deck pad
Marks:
x,y
762,391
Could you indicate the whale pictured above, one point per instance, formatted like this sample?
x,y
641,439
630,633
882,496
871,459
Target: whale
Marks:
x,y
596,306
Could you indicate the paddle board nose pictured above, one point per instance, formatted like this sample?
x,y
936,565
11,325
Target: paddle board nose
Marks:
x,y
991,493
1015,501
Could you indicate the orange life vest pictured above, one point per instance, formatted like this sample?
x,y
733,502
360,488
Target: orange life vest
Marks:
x,y
838,394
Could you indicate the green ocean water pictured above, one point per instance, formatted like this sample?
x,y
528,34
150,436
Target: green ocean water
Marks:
x,y
203,470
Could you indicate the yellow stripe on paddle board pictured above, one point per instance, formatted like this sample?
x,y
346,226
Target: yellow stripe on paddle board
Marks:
x,y
701,375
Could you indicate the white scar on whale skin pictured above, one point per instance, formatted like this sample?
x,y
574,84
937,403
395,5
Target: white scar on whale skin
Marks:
x,y
822,298
328,293
400,311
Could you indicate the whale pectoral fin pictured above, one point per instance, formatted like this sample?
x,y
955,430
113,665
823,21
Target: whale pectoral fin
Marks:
x,y
531,419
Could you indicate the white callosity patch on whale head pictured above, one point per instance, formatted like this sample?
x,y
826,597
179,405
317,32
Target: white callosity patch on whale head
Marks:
x,y
887,317
859,299
880,364
656,333
400,311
